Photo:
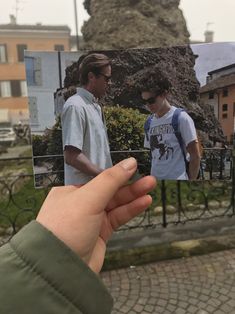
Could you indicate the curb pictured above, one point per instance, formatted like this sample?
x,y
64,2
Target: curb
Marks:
x,y
152,246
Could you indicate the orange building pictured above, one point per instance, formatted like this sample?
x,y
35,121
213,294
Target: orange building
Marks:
x,y
14,39
219,92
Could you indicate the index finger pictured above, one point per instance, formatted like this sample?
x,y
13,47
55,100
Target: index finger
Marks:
x,y
97,193
130,192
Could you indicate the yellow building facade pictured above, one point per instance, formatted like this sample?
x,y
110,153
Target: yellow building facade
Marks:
x,y
14,39
219,92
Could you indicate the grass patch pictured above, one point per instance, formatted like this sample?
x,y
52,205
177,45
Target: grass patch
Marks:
x,y
20,201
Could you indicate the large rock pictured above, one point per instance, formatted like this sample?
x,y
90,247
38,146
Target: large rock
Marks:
x,y
130,66
115,24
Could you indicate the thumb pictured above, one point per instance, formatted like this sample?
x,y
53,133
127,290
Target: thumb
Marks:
x,y
99,191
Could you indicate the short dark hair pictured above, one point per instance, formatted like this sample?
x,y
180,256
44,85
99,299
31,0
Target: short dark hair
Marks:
x,y
94,63
153,79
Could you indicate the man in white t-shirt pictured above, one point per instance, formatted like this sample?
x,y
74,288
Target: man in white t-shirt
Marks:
x,y
168,157
85,141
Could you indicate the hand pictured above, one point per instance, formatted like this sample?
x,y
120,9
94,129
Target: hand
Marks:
x,y
84,218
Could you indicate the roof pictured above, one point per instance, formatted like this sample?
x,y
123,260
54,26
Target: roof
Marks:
x,y
220,82
230,66
34,27
211,57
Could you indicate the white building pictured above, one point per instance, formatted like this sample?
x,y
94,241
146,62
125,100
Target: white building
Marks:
x,y
45,73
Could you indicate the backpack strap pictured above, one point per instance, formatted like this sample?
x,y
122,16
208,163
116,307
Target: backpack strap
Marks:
x,y
147,126
175,125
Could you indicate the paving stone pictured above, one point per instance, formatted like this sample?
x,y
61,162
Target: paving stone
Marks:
x,y
162,303
192,309
151,301
173,301
149,308
223,298
171,308
124,309
193,301
180,311
183,304
138,308
227,309
232,304
194,285
210,309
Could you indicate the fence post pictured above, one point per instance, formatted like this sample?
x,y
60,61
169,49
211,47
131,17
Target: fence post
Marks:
x,y
163,197
221,164
179,209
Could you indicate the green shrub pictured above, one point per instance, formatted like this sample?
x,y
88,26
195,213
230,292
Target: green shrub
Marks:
x,y
125,128
39,145
55,146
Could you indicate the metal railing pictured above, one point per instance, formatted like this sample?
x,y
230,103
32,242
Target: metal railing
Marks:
x,y
174,202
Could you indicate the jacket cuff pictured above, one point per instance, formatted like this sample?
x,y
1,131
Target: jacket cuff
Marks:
x,y
62,269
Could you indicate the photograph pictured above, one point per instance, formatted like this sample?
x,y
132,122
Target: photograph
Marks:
x,y
117,154
90,109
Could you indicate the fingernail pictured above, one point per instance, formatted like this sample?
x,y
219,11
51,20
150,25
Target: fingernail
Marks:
x,y
128,164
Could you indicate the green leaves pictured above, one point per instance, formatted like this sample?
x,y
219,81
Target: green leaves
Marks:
x,y
126,132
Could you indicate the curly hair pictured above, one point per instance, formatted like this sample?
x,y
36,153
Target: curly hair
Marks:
x,y
152,79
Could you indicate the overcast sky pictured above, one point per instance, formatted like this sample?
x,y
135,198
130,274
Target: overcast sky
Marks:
x,y
197,14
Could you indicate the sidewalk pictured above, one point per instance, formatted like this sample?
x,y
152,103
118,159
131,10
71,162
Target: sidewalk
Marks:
x,y
199,284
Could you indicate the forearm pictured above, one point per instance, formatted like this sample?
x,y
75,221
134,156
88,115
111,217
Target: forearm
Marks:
x,y
36,255
82,163
194,166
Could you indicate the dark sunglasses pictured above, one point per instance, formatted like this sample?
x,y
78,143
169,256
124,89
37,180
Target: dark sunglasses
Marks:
x,y
107,78
149,101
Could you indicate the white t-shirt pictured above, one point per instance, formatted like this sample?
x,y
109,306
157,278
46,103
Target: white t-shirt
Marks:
x,y
167,157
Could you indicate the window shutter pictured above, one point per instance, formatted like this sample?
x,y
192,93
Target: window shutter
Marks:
x,y
15,88
38,72
20,52
33,111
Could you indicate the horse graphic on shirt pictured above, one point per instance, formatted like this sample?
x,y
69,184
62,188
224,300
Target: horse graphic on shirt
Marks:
x,y
165,150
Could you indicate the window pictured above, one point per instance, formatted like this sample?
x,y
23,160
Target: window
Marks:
x,y
23,88
59,47
3,53
211,95
20,52
5,89
15,89
225,107
224,115
33,71
225,92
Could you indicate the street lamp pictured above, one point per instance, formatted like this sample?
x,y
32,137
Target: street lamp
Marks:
x,y
76,23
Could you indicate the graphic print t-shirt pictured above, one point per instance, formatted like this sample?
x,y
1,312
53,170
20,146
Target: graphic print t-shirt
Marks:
x,y
167,157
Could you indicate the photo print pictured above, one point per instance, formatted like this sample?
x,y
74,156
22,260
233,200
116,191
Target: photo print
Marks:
x,y
142,80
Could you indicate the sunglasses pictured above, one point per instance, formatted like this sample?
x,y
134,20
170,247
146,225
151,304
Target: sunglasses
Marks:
x,y
149,101
107,78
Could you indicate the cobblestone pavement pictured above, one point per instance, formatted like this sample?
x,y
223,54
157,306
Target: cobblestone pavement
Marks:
x,y
200,284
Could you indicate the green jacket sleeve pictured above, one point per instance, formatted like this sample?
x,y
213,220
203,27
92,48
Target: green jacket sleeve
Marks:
x,y
39,274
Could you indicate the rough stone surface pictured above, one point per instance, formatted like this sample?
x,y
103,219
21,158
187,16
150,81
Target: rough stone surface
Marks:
x,y
130,66
133,23
199,284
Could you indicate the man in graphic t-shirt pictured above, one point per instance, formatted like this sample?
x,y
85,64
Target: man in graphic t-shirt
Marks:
x,y
168,157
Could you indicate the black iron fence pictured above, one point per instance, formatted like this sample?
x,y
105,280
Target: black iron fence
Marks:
x,y
174,202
